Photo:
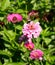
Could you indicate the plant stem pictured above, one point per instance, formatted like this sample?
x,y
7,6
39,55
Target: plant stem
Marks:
x,y
41,63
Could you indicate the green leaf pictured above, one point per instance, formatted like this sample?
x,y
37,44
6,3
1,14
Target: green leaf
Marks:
x,y
36,62
45,32
8,45
10,34
5,4
33,1
20,2
1,18
17,63
0,63
52,58
19,27
20,11
5,52
47,40
4,36
47,63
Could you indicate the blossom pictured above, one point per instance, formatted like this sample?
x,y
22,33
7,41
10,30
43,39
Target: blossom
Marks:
x,y
32,29
48,16
36,54
29,45
22,38
34,14
14,18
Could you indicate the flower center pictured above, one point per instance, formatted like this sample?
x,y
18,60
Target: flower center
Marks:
x,y
30,46
31,27
14,18
36,55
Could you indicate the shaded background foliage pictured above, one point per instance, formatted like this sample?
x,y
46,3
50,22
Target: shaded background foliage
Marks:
x,y
13,53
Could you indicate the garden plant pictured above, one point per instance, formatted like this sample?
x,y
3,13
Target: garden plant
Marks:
x,y
27,32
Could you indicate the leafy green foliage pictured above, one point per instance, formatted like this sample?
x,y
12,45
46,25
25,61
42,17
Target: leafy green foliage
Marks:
x,y
14,53
5,4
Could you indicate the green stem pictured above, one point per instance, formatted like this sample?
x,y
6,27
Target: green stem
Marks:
x,y
16,43
10,59
14,28
41,63
42,45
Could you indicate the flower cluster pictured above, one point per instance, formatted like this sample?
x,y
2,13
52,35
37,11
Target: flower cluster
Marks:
x,y
30,30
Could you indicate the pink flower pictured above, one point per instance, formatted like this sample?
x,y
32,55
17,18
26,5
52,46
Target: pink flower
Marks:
x,y
36,54
34,14
14,18
32,29
29,45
